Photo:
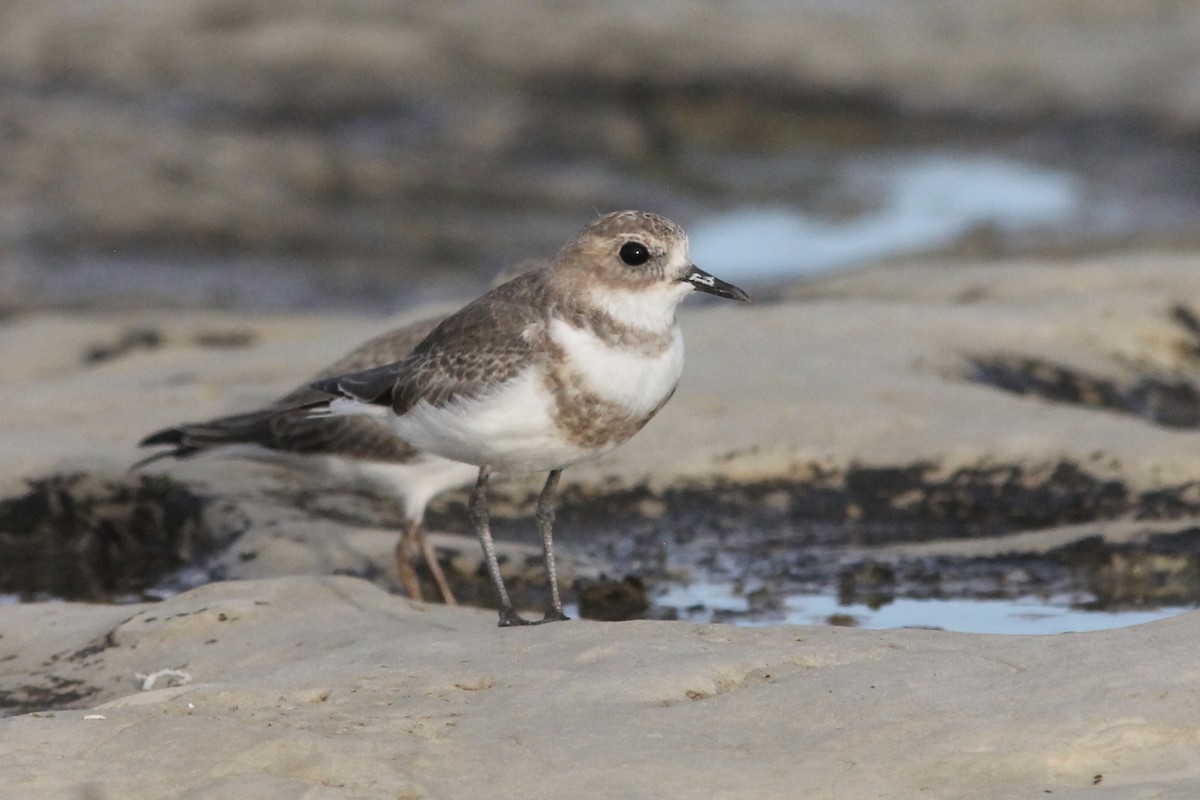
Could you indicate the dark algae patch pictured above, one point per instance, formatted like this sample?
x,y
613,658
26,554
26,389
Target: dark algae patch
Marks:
x,y
146,339
84,537
869,505
1172,402
819,530
51,692
56,683
821,535
1166,399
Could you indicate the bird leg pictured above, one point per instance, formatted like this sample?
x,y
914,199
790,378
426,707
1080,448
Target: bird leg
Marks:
x,y
404,562
435,569
483,529
545,521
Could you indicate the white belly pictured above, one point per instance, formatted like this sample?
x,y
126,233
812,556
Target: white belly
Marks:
x,y
514,428
416,482
511,429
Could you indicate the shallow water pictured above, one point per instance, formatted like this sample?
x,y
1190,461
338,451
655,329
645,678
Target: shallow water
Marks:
x,y
924,202
723,555
706,602
711,602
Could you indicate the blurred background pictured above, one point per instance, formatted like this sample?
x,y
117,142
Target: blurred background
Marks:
x,y
365,154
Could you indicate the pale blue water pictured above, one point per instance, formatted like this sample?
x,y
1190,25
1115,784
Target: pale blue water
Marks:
x,y
701,602
1021,616
926,202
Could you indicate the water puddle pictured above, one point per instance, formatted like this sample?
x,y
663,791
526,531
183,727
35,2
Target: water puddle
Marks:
x,y
716,602
918,204
872,547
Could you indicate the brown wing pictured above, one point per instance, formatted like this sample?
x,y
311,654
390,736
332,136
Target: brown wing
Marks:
x,y
349,437
385,348
482,346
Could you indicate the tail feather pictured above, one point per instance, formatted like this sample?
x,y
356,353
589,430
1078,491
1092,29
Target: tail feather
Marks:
x,y
191,438
172,436
308,428
178,452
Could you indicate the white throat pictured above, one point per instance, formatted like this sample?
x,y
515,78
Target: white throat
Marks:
x,y
651,309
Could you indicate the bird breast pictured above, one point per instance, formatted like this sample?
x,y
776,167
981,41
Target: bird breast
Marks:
x,y
605,391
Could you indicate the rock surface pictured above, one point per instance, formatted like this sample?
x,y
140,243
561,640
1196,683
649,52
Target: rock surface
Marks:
x,y
320,686
262,153
873,367
876,369
327,687
326,57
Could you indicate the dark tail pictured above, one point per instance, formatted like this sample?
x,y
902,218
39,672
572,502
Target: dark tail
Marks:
x,y
190,439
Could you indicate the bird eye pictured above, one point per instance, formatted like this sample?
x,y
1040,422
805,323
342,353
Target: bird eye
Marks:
x,y
634,253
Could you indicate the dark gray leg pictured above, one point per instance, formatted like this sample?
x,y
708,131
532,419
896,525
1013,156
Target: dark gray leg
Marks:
x,y
483,529
545,521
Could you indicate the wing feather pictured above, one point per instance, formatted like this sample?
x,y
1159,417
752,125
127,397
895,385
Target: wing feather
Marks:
x,y
484,345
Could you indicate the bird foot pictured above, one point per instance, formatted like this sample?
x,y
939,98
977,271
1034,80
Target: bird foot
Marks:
x,y
510,618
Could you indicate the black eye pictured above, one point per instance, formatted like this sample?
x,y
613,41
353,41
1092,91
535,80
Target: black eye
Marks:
x,y
634,253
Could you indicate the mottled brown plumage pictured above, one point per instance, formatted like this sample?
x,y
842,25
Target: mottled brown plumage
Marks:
x,y
487,343
467,354
277,428
348,437
552,368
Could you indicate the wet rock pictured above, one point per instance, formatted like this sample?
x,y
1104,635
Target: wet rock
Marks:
x,y
1172,402
609,600
284,138
524,575
132,340
871,584
87,537
799,538
764,600
1163,570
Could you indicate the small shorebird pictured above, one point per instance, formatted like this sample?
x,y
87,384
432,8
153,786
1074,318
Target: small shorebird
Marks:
x,y
354,447
553,368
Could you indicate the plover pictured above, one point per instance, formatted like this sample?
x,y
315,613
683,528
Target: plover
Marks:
x,y
351,447
555,367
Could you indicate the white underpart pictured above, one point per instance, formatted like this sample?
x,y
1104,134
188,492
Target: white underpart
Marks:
x,y
415,482
623,376
511,428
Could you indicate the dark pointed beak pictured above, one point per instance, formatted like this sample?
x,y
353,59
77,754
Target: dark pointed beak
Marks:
x,y
707,283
